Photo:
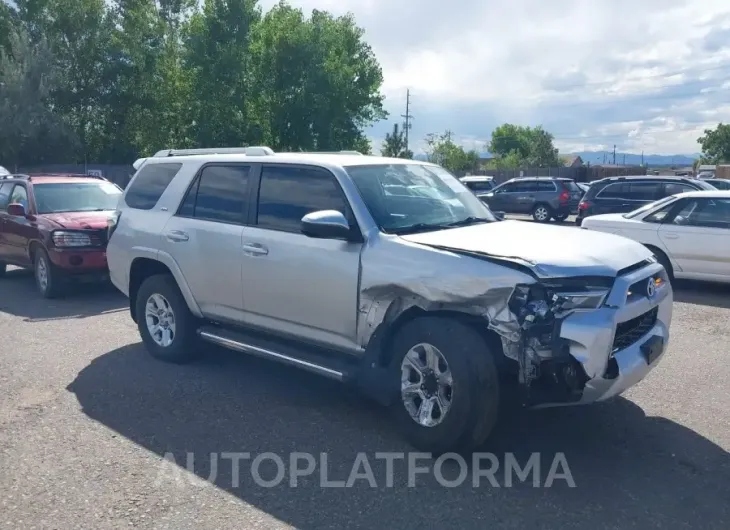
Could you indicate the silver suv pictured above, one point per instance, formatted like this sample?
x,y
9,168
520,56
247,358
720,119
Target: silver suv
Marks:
x,y
425,301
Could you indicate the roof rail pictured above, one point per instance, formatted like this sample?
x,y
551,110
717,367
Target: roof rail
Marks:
x,y
357,153
21,176
250,151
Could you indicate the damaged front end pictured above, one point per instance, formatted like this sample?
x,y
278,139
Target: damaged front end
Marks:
x,y
547,372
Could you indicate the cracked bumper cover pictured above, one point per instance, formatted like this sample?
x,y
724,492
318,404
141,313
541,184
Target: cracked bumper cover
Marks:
x,y
590,336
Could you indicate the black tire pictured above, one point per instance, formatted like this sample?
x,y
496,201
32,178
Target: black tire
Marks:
x,y
475,396
663,259
561,218
184,346
542,213
48,279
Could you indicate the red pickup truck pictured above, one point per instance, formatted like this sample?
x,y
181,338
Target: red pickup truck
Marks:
x,y
56,225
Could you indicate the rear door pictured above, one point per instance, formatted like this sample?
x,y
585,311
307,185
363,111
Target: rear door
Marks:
x,y
205,237
698,238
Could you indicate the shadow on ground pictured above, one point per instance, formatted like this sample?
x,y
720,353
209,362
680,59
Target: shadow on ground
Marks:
x,y
629,470
19,297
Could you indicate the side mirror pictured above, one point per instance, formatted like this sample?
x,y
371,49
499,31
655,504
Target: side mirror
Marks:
x,y
326,224
498,215
16,209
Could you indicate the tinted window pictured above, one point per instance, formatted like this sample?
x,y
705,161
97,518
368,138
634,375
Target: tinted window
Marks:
x,y
545,186
19,196
480,185
508,187
644,191
614,191
4,195
721,184
289,193
672,188
151,182
710,213
220,193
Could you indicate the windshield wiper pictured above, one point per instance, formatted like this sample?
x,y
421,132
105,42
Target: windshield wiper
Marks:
x,y
418,227
469,221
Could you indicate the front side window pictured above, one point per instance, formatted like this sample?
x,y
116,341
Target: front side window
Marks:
x,y
19,196
450,204
220,194
643,191
708,213
672,188
94,196
5,189
288,193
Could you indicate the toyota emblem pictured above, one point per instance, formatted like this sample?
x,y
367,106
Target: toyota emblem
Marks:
x,y
650,288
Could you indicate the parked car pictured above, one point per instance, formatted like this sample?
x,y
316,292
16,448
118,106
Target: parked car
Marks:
x,y
704,175
426,307
625,194
57,225
584,186
689,233
480,185
720,184
544,198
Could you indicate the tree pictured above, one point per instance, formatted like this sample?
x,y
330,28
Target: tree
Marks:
x,y
318,82
29,131
515,146
441,150
395,144
716,144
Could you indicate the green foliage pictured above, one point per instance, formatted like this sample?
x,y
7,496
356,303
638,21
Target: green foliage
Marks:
x,y
716,145
137,76
515,146
441,150
394,144
28,129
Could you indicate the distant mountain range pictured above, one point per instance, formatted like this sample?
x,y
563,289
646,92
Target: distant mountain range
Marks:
x,y
606,157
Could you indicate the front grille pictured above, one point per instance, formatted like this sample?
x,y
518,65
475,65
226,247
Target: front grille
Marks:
x,y
627,333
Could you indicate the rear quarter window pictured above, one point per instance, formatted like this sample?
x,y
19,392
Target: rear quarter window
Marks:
x,y
149,185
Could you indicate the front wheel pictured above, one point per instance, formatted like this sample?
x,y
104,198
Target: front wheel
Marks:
x,y
449,391
541,213
165,323
47,278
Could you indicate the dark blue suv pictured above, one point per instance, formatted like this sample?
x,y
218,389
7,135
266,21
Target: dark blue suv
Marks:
x,y
625,194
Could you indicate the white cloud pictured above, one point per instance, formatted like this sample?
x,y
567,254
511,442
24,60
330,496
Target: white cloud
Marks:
x,y
642,74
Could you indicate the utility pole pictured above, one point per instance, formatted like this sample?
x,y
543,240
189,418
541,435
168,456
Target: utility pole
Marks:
x,y
642,158
407,116
624,159
614,154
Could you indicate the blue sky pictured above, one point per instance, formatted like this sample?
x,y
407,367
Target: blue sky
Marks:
x,y
646,75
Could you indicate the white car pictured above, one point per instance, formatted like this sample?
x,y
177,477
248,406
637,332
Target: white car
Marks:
x,y
689,233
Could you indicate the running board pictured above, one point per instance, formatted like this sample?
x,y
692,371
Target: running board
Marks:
x,y
270,350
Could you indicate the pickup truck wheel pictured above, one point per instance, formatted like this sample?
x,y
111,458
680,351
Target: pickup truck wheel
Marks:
x,y
449,392
542,213
165,323
47,278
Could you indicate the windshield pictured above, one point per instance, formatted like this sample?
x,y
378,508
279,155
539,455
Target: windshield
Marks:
x,y
76,196
648,207
405,198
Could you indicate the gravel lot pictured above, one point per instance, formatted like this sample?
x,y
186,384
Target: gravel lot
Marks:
x,y
86,417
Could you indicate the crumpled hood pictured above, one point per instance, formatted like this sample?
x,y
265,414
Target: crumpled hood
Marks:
x,y
79,220
550,251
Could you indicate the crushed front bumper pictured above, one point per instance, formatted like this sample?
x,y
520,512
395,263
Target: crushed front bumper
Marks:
x,y
619,344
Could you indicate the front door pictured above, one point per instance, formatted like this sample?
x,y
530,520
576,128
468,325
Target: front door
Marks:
x,y
294,284
205,236
17,231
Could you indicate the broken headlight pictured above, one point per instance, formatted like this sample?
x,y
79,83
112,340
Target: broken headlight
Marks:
x,y
541,302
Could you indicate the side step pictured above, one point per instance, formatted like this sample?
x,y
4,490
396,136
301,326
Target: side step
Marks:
x,y
299,356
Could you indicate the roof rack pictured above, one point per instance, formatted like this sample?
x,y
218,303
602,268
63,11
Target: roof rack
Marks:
x,y
20,176
251,151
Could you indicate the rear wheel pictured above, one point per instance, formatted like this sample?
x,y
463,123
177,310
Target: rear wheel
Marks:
x,y
449,399
542,213
165,323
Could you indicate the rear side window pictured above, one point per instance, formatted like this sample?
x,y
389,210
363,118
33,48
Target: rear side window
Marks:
x,y
150,184
219,193
545,186
289,193
4,195
644,191
571,186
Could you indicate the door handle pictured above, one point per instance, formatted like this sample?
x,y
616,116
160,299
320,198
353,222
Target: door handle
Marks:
x,y
671,235
255,249
177,235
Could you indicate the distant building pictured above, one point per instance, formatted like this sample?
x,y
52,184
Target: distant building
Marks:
x,y
572,160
